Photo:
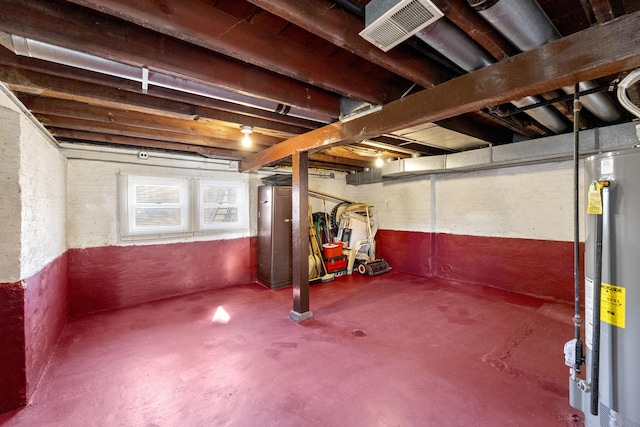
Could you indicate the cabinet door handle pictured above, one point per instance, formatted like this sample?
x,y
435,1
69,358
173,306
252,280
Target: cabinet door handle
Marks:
x,y
287,220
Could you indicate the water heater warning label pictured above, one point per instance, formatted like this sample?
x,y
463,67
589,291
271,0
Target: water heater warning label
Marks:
x,y
612,305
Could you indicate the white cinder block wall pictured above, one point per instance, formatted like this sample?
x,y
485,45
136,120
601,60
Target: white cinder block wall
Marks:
x,y
532,202
32,195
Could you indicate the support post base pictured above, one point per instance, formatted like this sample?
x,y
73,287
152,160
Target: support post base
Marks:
x,y
300,317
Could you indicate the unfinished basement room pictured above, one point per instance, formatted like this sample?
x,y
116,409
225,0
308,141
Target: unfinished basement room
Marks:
x,y
319,213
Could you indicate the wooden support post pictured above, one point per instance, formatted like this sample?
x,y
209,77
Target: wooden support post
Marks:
x,y
300,236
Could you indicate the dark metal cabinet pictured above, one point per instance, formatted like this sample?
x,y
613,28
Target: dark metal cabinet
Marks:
x,y
274,236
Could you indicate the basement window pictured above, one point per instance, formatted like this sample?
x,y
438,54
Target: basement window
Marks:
x,y
155,206
219,205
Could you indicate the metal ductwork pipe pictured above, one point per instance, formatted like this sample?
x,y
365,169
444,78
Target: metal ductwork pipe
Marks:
x,y
527,26
522,22
60,55
452,43
455,45
597,103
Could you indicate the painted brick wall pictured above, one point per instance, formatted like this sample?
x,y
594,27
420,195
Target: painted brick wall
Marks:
x,y
33,266
531,202
10,205
400,204
92,219
107,273
43,182
510,228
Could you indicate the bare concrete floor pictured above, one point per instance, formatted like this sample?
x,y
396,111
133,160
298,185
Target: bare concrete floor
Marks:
x,y
434,353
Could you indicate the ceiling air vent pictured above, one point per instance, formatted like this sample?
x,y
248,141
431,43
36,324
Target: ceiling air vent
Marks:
x,y
389,22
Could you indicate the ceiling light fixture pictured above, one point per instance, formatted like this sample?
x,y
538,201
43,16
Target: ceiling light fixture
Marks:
x,y
246,130
379,160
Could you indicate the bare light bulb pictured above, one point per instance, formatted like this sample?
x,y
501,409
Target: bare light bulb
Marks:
x,y
246,139
379,162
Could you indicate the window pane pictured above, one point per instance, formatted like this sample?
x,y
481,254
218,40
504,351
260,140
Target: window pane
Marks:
x,y
217,215
146,217
220,195
157,194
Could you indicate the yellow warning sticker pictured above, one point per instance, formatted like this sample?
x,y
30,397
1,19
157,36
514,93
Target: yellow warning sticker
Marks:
x,y
594,206
612,305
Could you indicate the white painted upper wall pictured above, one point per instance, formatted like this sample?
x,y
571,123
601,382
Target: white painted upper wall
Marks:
x,y
92,203
32,194
43,182
399,204
533,202
10,204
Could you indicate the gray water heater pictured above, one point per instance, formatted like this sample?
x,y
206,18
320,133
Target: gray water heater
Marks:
x,y
613,400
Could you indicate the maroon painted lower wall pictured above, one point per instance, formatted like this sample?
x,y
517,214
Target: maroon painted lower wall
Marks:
x,y
112,277
538,267
406,251
45,315
13,379
33,313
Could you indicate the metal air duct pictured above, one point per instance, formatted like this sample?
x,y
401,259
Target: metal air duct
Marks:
x,y
455,45
452,43
527,26
36,49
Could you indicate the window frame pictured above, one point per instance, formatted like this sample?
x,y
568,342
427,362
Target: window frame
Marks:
x,y
201,205
192,203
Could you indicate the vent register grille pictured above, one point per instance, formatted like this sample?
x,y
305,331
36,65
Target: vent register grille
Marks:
x,y
389,22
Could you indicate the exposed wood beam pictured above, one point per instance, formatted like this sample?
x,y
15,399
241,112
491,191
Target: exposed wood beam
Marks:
x,y
77,28
319,17
84,136
146,133
330,158
342,29
586,55
205,25
78,110
117,93
606,10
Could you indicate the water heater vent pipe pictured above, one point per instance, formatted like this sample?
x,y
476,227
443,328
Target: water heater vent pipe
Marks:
x,y
631,78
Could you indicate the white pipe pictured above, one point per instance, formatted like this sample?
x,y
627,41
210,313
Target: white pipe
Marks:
x,y
631,78
61,55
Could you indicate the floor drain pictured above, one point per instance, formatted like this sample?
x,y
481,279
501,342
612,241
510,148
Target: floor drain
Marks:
x,y
359,333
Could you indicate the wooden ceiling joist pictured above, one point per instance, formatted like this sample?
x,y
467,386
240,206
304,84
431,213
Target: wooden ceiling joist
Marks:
x,y
340,28
145,133
204,25
116,93
78,110
586,55
121,41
